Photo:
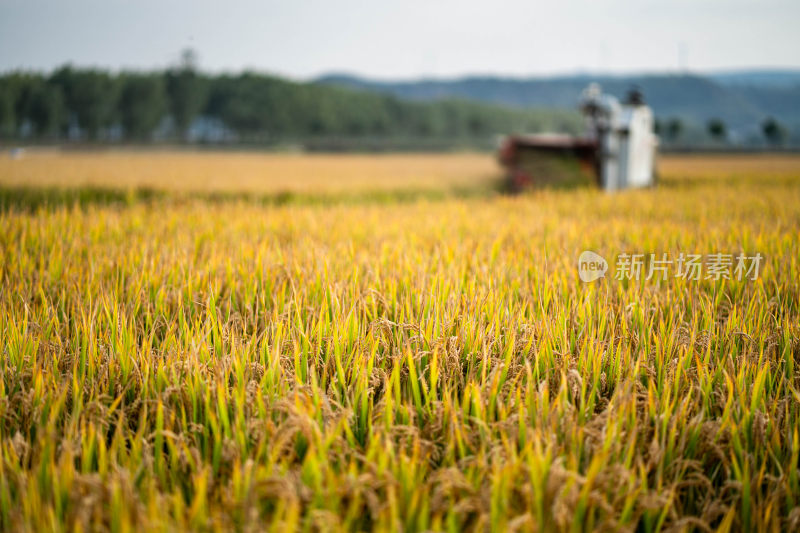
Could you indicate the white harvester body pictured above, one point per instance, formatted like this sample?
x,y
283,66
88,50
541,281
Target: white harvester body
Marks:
x,y
626,143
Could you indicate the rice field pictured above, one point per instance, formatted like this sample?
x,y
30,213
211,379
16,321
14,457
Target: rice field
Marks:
x,y
247,172
362,358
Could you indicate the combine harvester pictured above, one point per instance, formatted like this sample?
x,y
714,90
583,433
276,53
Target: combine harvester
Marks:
x,y
617,152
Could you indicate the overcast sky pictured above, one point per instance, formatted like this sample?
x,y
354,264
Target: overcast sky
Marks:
x,y
403,39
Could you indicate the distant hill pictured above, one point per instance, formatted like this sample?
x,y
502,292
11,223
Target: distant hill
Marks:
x,y
741,99
761,78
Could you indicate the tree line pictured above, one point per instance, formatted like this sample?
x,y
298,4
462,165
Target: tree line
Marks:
x,y
672,131
100,106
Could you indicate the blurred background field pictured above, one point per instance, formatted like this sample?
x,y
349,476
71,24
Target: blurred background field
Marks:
x,y
259,173
247,172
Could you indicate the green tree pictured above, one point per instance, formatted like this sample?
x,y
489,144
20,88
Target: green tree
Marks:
x,y
674,129
8,118
142,104
187,92
46,109
39,104
259,106
773,131
717,130
91,95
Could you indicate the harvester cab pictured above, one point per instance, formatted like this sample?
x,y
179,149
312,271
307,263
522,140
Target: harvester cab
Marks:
x,y
617,150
